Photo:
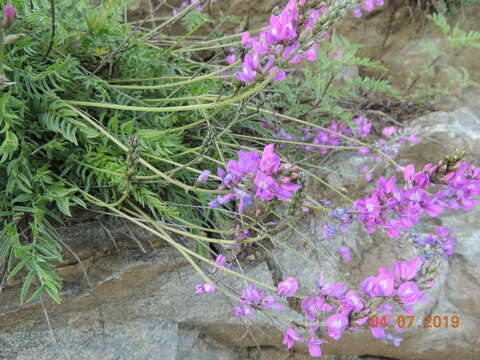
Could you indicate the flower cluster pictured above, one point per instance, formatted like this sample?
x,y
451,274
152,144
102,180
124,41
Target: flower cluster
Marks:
x,y
279,44
9,16
254,298
389,145
351,309
441,243
331,135
253,177
397,209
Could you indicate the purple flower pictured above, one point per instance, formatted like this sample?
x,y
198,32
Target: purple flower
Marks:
x,y
286,188
248,72
231,59
214,204
353,300
390,130
266,187
279,75
9,16
345,253
363,126
248,162
310,307
357,12
251,295
269,302
221,260
202,178
311,53
368,5
245,38
207,288
378,332
448,246
287,287
290,337
270,161
290,49
363,150
314,347
244,199
226,198
383,285
244,310
368,285
409,293
336,325
406,270
335,290
314,15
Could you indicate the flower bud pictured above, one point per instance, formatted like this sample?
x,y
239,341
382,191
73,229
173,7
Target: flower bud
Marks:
x,y
9,15
12,39
434,266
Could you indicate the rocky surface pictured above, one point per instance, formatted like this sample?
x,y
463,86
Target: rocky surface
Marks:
x,y
394,34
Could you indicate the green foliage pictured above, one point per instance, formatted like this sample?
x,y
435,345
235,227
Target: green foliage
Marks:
x,y
422,85
47,148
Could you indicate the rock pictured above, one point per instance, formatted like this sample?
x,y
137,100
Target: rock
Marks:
x,y
393,35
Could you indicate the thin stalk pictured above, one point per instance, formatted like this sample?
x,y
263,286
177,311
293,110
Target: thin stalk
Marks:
x,y
244,95
211,75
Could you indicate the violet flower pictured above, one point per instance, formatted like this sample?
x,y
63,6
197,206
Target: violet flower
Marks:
x,y
9,16
202,178
336,325
266,187
269,302
270,161
230,59
291,336
345,253
311,53
287,287
363,126
248,72
207,288
409,293
383,285
314,347
357,12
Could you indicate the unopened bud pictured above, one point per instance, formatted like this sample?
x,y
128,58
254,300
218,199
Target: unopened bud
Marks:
x,y
11,39
433,267
9,16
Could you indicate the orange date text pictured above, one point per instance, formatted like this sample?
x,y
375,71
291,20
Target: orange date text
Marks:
x,y
432,321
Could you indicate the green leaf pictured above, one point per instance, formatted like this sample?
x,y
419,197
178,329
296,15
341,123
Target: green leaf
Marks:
x,y
26,285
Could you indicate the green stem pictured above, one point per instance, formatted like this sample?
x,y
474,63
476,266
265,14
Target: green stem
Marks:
x,y
246,94
212,75
295,142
